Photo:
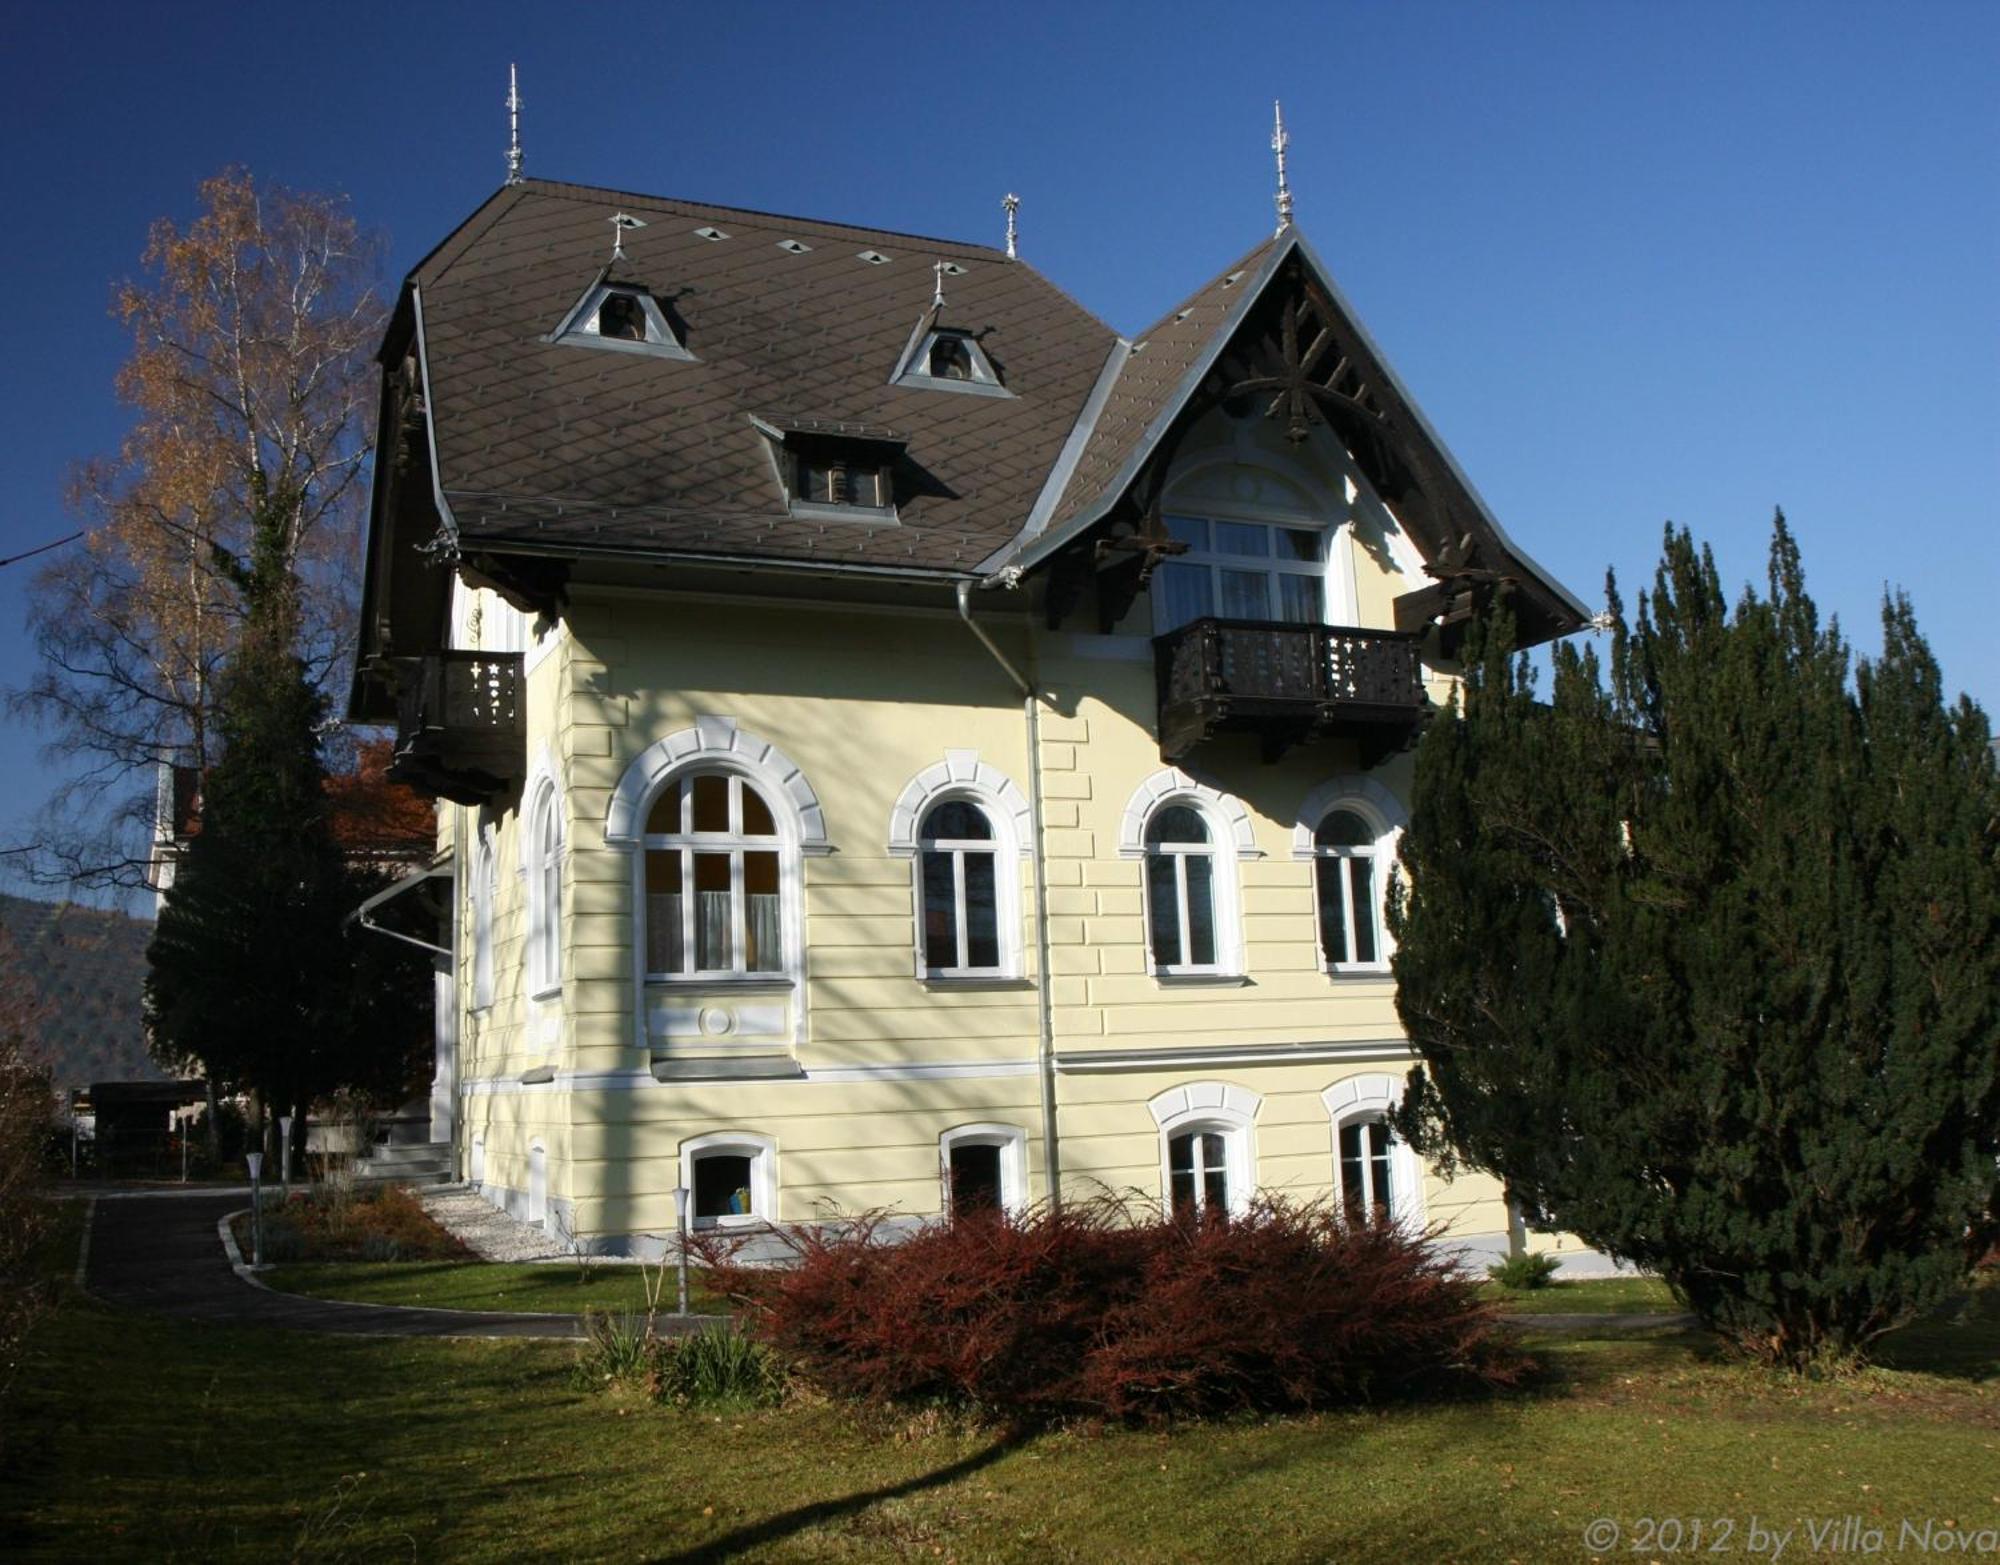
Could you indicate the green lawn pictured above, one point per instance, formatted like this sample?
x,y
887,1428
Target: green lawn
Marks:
x,y
1595,1296
562,1288
131,1437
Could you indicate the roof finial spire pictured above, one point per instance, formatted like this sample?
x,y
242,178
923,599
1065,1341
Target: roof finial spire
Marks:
x,y
513,128
1280,141
937,292
1012,203
621,224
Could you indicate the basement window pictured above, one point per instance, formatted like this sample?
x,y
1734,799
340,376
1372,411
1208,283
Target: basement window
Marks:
x,y
624,317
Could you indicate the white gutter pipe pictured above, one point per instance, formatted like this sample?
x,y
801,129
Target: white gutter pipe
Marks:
x,y
1045,1013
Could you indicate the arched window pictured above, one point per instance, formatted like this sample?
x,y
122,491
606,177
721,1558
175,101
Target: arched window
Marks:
x,y
485,892
984,1168
1347,868
1368,1168
1198,1172
1180,891
1207,1160
714,879
961,889
544,874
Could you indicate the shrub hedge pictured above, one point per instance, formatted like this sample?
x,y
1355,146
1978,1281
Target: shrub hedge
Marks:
x,y
1103,1309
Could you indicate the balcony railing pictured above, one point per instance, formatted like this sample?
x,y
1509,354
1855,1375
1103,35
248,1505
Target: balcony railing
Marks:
x,y
1289,684
459,730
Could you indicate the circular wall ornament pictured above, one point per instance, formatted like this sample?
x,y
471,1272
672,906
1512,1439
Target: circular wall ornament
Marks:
x,y
716,1022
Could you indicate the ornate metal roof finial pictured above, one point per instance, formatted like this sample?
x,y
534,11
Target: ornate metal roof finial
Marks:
x,y
937,292
513,128
1280,141
621,224
1012,203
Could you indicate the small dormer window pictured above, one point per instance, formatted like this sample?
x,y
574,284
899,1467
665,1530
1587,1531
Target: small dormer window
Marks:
x,y
950,358
833,470
848,480
940,358
621,316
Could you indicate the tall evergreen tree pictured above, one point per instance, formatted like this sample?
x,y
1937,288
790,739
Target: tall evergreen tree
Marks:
x,y
253,970
1702,958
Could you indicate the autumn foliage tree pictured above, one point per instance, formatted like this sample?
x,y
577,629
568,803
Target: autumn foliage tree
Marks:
x,y
248,379
1702,956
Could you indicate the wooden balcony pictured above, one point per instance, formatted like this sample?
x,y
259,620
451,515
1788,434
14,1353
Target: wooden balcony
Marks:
x,y
459,725
1289,684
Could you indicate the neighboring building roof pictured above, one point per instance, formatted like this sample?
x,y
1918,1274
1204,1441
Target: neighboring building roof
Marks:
x,y
539,444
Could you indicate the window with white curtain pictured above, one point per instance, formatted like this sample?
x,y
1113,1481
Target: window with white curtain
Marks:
x,y
545,844
1241,570
714,880
960,862
1347,869
1180,891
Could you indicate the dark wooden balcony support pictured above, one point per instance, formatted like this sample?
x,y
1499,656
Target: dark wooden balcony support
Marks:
x,y
459,725
1289,684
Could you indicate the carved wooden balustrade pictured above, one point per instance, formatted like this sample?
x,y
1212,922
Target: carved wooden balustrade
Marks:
x,y
459,727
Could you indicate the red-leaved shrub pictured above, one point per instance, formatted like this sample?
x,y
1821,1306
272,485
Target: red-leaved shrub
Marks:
x,y
1099,1310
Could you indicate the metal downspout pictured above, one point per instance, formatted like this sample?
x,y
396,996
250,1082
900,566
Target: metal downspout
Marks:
x,y
1045,1013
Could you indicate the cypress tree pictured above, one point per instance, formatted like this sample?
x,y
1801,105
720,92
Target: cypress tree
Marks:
x,y
1702,956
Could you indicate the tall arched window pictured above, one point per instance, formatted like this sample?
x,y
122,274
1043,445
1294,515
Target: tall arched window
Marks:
x,y
714,879
1198,1172
1367,1169
1347,854
544,867
961,890
1180,891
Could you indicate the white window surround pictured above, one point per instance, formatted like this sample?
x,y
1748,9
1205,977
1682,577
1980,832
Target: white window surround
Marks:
x,y
544,847
485,892
762,1151
1013,1144
1371,1097
962,775
1219,1106
1230,840
1384,813
476,1165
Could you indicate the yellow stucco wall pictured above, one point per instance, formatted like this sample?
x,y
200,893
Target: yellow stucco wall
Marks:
x,y
861,702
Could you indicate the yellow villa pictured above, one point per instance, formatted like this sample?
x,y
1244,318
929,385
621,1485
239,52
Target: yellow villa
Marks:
x,y
901,744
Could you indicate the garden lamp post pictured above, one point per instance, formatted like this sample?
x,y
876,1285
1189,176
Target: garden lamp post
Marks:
x,y
680,1194
256,1161
285,1154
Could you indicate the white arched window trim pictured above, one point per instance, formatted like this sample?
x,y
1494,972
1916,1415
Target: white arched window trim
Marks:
x,y
1360,1099
544,846
1228,1110
1013,1144
962,775
761,1150
485,893
717,745
1230,837
1384,813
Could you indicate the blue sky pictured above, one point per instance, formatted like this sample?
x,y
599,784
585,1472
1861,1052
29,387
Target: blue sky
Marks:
x,y
1638,263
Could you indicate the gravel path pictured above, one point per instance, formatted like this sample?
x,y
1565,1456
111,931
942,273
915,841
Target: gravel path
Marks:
x,y
490,1232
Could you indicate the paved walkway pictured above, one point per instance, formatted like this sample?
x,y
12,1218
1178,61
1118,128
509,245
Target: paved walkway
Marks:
x,y
161,1252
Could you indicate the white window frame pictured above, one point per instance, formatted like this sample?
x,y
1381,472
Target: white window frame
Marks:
x,y
1006,915
962,775
1012,1141
538,1184
735,843
1268,565
761,1150
542,866
1384,815
1368,1099
485,893
1224,1109
1178,854
475,1173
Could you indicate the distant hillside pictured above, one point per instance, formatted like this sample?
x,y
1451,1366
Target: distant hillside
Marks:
x,y
88,966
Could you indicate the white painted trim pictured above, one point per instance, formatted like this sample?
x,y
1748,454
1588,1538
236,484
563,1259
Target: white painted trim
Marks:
x,y
1325,514
1012,1141
762,1151
718,741
1218,1106
1086,1062
961,775
542,793
642,1080
1371,1097
1170,784
538,1182
485,894
1384,812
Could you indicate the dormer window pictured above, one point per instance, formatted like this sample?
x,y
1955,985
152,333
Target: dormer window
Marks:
x,y
624,317
942,358
849,480
834,471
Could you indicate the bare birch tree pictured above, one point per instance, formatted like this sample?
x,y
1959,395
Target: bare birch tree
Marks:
x,y
249,378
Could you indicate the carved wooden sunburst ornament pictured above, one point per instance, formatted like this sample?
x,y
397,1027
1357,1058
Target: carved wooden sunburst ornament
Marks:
x,y
1299,386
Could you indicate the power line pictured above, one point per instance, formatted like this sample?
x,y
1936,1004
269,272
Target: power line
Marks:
x,y
15,559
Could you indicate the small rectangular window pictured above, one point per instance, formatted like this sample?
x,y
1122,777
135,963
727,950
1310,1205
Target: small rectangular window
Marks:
x,y
721,1185
975,1179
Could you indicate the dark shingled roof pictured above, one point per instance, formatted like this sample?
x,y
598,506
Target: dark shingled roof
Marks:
x,y
545,445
